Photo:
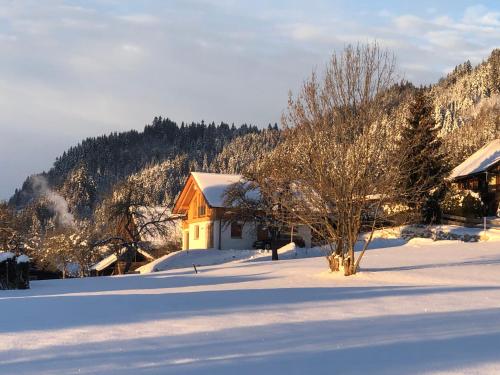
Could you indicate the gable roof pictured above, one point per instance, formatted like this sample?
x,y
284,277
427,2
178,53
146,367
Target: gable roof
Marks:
x,y
214,185
112,258
479,161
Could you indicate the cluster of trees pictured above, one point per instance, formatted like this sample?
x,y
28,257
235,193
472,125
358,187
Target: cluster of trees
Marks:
x,y
342,168
69,218
358,150
96,165
123,222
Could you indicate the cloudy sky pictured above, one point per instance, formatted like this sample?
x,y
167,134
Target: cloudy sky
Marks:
x,y
73,69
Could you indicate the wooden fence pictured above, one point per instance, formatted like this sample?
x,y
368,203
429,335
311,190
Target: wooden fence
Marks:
x,y
471,222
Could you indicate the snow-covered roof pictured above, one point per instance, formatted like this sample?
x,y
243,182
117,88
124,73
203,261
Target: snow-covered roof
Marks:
x,y
5,255
105,263
479,161
214,185
109,260
22,259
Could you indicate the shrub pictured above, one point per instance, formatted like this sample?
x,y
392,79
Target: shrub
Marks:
x,y
14,271
464,203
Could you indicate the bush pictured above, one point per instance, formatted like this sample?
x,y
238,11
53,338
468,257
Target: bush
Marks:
x,y
464,203
14,271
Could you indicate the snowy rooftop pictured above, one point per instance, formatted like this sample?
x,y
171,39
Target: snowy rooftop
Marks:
x,y
479,161
5,255
110,259
214,185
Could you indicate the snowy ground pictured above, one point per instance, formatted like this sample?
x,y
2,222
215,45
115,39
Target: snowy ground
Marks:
x,y
422,307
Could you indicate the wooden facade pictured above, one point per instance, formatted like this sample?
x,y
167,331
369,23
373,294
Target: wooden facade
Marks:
x,y
205,224
486,183
193,205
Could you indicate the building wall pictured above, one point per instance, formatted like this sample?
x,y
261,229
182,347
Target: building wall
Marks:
x,y
201,242
249,236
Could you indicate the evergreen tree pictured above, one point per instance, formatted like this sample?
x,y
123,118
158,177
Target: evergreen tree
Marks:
x,y
425,166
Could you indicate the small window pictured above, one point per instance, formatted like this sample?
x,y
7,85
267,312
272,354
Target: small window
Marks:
x,y
201,210
196,232
236,230
492,180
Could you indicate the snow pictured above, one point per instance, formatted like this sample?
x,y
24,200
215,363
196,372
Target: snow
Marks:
x,y
199,257
417,307
110,259
479,161
22,259
381,239
106,262
289,247
214,185
5,255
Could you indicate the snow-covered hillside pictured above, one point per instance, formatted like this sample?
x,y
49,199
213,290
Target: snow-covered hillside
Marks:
x,y
421,307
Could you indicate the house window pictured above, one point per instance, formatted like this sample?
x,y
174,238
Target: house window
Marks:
x,y
201,209
494,182
196,232
236,230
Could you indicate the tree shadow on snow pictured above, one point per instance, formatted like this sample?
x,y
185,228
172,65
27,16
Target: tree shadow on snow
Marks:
x,y
477,262
71,311
396,344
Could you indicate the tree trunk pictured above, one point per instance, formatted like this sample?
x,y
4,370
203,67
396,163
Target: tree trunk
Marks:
x,y
339,263
274,254
334,261
348,266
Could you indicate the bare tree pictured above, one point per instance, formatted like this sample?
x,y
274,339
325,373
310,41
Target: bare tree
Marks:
x,y
339,161
126,219
252,205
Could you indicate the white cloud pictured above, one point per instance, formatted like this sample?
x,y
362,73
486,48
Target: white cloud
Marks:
x,y
481,15
131,48
304,32
410,22
141,19
7,38
81,70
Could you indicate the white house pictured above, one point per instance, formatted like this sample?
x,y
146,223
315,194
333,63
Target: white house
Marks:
x,y
201,201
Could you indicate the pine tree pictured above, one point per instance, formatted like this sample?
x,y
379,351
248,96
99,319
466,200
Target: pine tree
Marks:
x,y
426,165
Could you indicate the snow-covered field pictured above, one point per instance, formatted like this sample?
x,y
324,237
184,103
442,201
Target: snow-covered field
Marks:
x,y
421,307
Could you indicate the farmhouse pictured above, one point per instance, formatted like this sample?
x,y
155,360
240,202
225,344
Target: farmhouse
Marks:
x,y
481,173
201,201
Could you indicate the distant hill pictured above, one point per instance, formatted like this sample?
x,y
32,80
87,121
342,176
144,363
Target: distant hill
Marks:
x,y
466,109
84,174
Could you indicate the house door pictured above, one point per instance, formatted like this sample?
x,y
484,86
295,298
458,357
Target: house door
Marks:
x,y
186,240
